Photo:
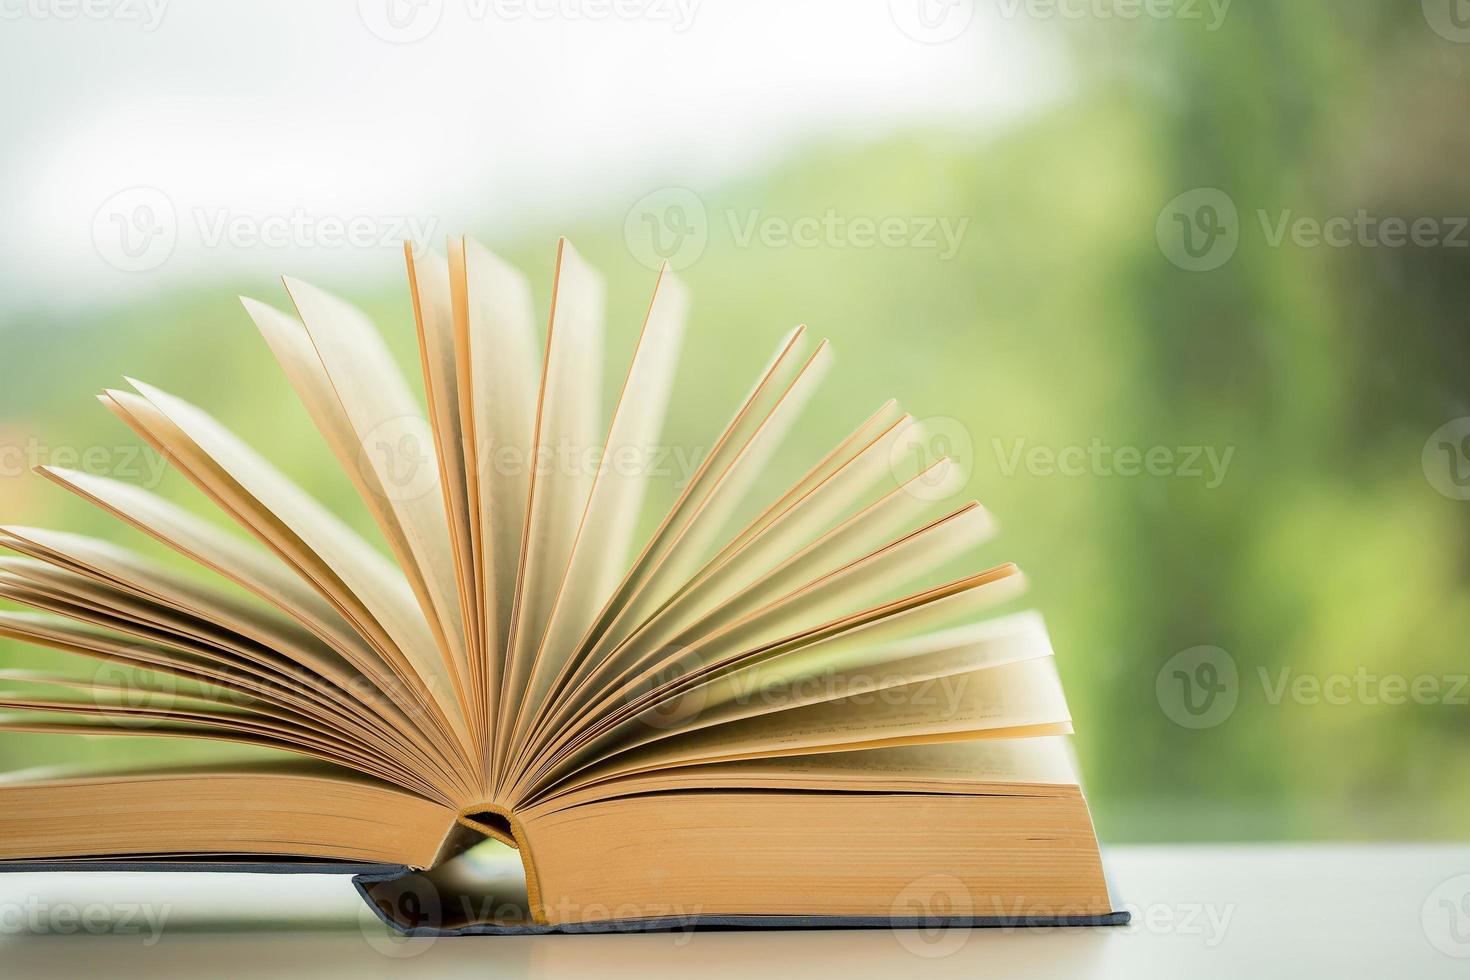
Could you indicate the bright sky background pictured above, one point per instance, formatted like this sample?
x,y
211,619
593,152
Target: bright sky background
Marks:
x,y
264,107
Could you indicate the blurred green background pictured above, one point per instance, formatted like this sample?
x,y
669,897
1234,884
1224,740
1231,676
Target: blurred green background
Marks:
x,y
1326,546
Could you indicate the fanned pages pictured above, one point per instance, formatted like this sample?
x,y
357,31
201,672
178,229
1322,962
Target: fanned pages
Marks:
x,y
652,723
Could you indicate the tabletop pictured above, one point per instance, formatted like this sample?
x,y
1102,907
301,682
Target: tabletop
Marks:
x,y
1198,911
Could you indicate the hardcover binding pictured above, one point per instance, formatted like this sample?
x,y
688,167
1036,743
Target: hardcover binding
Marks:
x,y
365,882
367,876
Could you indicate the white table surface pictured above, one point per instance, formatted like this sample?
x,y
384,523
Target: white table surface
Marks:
x,y
1221,911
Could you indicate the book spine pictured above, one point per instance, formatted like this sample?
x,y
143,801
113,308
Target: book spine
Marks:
x,y
501,823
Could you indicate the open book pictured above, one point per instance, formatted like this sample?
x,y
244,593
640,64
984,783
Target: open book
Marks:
x,y
777,708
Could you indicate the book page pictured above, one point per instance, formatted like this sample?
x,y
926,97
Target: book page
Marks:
x,y
280,809
601,552
134,653
568,427
364,586
880,576
885,528
134,574
898,618
242,562
628,607
842,485
1016,765
183,641
857,663
756,570
445,363
830,489
350,385
854,460
1046,760
1003,701
495,337
831,670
